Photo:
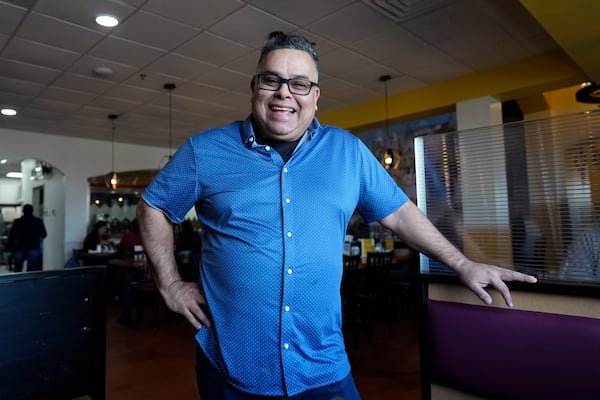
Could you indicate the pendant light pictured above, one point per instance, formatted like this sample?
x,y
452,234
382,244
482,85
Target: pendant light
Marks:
x,y
388,155
112,179
170,87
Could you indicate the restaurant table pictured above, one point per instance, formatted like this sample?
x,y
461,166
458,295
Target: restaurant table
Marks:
x,y
127,271
90,258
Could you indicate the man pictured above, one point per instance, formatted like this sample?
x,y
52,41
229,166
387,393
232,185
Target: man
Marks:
x,y
25,240
274,194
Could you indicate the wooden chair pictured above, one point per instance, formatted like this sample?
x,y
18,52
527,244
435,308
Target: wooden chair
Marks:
x,y
382,294
356,299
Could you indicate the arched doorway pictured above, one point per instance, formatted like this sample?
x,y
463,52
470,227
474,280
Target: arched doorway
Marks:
x,y
36,182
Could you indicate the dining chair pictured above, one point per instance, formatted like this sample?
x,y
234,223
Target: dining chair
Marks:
x,y
356,299
382,295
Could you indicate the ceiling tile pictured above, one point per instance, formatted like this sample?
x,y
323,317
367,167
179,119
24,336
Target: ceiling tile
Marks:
x,y
39,54
43,29
132,93
340,61
66,95
179,66
83,83
126,52
13,99
393,40
351,24
213,49
16,86
301,12
154,30
53,106
225,79
27,72
10,16
250,26
199,14
368,76
245,65
85,66
197,91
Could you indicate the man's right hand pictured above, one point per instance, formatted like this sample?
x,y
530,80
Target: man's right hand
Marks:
x,y
185,298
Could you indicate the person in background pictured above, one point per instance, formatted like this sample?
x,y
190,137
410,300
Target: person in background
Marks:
x,y
275,194
129,240
25,240
98,236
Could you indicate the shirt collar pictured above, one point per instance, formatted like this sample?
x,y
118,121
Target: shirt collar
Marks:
x,y
249,137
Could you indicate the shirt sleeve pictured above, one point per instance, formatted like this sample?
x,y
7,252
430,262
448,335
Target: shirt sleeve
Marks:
x,y
380,194
175,188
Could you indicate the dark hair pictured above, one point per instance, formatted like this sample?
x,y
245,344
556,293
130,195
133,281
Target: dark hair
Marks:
x,y
28,209
279,40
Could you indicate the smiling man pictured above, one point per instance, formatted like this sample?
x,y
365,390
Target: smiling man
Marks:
x,y
275,194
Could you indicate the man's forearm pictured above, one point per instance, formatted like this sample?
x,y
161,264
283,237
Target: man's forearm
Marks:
x,y
157,237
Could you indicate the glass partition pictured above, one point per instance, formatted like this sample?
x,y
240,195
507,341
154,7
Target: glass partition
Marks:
x,y
523,195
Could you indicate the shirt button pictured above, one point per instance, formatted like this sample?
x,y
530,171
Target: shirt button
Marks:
x,y
289,271
289,234
286,346
285,170
287,201
287,308
251,139
268,148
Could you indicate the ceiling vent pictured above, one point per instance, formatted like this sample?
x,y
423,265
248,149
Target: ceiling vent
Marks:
x,y
403,10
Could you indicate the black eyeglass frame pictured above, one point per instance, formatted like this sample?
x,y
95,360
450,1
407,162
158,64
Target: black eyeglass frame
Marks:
x,y
281,81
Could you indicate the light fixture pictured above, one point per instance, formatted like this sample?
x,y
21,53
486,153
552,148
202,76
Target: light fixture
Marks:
x,y
170,87
589,93
9,112
108,21
388,158
112,179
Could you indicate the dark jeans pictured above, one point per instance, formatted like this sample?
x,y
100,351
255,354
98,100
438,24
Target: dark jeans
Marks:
x,y
212,386
33,257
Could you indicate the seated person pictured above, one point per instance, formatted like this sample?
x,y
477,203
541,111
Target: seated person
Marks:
x,y
98,236
130,239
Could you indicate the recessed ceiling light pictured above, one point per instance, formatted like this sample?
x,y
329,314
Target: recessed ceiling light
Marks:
x,y
102,72
107,20
8,111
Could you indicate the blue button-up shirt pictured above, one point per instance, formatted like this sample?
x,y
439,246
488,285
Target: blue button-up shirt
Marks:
x,y
272,247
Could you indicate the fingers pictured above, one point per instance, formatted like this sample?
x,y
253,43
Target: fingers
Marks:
x,y
186,299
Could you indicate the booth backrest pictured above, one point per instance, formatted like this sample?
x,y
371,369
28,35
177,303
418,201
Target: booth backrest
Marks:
x,y
53,334
498,353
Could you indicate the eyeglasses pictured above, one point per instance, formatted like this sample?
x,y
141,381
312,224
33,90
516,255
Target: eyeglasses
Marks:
x,y
272,82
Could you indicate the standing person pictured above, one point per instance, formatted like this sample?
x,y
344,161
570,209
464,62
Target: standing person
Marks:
x,y
274,194
25,239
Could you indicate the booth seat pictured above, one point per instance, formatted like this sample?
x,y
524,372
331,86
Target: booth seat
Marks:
x,y
486,352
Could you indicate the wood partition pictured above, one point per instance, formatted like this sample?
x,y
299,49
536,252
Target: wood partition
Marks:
x,y
53,334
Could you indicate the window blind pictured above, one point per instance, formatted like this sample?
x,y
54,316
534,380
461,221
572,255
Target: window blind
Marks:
x,y
523,195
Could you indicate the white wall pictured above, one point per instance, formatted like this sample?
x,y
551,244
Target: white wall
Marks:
x,y
77,159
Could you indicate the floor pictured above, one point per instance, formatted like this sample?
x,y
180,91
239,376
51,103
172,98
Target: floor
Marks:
x,y
149,364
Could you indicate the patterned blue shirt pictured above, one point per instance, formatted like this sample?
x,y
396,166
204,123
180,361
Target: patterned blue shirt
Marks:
x,y
272,247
